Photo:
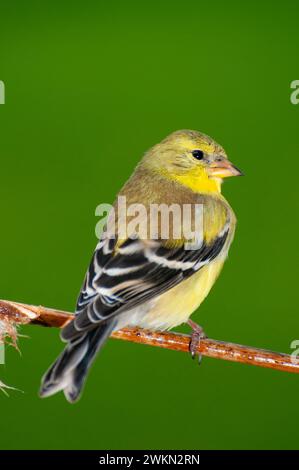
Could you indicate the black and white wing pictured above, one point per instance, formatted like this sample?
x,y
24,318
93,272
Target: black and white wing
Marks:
x,y
121,278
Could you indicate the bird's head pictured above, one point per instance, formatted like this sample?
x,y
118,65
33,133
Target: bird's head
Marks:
x,y
193,159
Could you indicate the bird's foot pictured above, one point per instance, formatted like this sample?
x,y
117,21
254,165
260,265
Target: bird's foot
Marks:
x,y
197,335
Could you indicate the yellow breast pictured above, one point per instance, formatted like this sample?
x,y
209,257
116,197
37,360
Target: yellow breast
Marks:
x,y
175,306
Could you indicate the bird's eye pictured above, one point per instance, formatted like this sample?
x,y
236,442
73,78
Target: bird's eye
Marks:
x,y
198,154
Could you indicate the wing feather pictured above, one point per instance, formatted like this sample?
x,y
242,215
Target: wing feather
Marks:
x,y
121,279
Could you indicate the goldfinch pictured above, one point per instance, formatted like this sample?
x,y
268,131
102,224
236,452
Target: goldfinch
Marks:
x,y
151,282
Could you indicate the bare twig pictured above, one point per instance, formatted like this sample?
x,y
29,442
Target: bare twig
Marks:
x,y
18,313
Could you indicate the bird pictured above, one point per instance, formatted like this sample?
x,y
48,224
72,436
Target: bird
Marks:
x,y
148,280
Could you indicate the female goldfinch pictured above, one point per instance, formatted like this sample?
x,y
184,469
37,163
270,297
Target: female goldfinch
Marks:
x,y
151,283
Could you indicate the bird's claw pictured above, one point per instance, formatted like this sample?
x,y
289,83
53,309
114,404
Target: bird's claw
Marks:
x,y
197,335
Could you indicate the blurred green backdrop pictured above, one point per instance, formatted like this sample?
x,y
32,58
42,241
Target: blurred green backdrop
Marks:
x,y
89,87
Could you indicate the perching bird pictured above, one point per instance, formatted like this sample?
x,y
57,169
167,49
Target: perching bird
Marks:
x,y
152,282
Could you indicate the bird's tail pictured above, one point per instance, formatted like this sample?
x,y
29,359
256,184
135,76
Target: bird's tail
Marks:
x,y
69,371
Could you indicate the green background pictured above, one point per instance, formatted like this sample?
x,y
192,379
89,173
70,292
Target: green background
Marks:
x,y
90,87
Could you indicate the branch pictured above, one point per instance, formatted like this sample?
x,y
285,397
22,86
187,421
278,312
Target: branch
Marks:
x,y
17,313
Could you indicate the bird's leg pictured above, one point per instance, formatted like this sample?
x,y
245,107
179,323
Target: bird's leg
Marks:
x,y
197,335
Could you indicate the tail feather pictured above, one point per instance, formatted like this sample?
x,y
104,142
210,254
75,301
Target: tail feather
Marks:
x,y
69,371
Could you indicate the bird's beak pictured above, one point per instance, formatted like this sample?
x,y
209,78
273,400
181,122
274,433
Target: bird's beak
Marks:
x,y
224,169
